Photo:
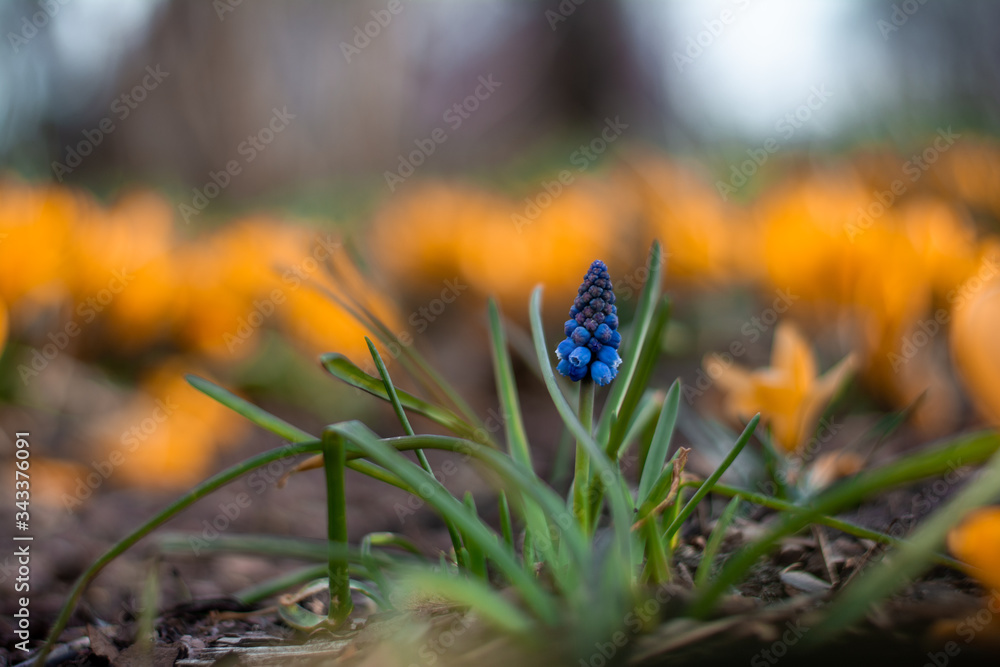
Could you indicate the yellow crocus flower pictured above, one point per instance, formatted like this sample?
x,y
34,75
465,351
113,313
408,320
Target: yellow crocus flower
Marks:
x,y
976,542
788,393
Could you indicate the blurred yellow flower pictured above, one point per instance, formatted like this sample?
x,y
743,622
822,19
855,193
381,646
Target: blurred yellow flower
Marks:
x,y
4,326
167,435
497,246
35,227
975,344
707,240
788,393
976,542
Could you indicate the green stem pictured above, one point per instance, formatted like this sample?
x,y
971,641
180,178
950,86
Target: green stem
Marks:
x,y
838,524
397,405
581,476
657,570
705,487
966,450
264,590
336,519
189,498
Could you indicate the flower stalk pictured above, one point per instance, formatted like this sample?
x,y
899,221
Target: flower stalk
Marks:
x,y
334,465
581,475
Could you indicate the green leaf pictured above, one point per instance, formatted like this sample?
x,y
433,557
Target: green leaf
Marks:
x,y
645,364
393,398
714,542
280,427
257,415
645,416
468,523
298,616
517,438
712,479
523,483
477,557
661,487
200,491
648,299
618,563
967,450
344,369
506,525
661,441
510,406
257,593
487,603
911,559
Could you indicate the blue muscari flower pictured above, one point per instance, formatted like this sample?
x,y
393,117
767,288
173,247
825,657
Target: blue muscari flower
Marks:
x,y
580,336
591,344
602,373
580,357
565,347
609,356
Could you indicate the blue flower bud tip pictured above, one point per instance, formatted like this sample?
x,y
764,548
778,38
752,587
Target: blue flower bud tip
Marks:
x,y
609,356
580,357
601,373
592,341
565,348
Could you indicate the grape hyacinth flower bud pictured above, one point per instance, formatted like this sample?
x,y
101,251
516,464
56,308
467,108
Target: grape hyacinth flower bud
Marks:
x,y
592,340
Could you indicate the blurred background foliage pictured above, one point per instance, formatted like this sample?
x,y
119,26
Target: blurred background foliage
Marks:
x,y
186,184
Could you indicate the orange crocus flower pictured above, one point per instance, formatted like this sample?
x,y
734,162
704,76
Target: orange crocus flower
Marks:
x,y
976,542
788,393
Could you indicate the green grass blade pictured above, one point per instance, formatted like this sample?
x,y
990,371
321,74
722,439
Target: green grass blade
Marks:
x,y
280,427
967,450
257,415
477,557
487,603
391,395
618,563
821,519
646,362
714,542
645,416
397,406
911,559
506,525
339,581
524,484
433,381
661,487
661,442
366,318
712,479
648,299
469,524
510,406
582,495
161,517
261,545
256,593
344,369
